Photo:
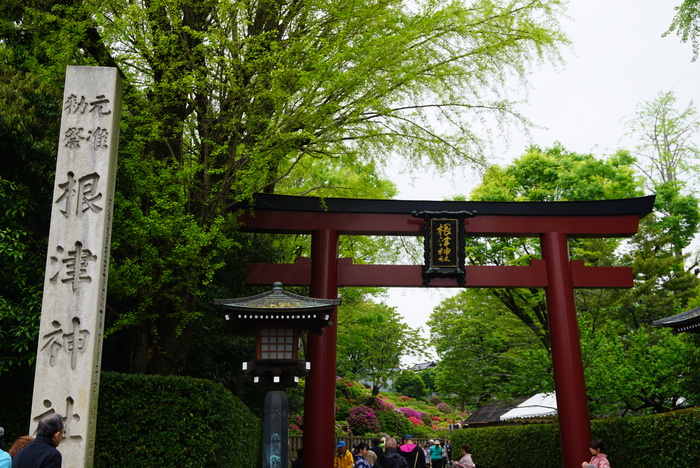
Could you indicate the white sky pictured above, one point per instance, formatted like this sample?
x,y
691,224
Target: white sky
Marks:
x,y
617,60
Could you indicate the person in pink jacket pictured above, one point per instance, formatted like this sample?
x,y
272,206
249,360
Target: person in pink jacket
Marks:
x,y
466,460
598,458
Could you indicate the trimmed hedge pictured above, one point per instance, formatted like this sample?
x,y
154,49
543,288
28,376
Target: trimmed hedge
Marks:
x,y
668,439
157,421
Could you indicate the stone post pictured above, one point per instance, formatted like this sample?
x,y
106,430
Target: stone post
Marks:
x,y
276,430
75,286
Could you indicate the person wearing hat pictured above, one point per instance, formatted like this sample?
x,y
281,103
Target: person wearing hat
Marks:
x,y
414,455
436,455
343,458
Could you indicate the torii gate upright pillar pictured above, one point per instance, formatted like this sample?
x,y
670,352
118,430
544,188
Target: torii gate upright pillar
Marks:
x,y
567,361
319,403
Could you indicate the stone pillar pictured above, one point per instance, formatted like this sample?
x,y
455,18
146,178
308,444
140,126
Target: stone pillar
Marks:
x,y
276,430
75,286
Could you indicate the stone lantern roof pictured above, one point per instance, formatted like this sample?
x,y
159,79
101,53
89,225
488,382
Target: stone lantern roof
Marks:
x,y
279,308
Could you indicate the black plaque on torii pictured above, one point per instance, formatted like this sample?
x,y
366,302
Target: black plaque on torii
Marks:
x,y
443,244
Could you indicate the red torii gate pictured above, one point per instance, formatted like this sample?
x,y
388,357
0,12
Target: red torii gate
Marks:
x,y
554,222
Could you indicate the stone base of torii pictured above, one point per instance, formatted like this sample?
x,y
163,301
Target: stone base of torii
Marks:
x,y
554,223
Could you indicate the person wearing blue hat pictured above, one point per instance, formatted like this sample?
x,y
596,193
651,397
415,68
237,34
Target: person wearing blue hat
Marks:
x,y
343,458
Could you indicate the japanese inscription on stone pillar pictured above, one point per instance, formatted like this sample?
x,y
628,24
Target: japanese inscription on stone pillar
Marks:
x,y
75,285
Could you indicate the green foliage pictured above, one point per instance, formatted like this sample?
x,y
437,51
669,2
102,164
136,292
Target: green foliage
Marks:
x,y
485,351
553,174
393,422
643,369
428,377
686,24
371,340
348,389
525,443
154,421
225,99
666,150
671,437
28,129
358,411
485,354
16,401
410,384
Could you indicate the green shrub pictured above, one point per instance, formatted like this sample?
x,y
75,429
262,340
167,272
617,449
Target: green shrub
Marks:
x,y
668,439
392,422
157,421
342,409
348,389
422,432
671,437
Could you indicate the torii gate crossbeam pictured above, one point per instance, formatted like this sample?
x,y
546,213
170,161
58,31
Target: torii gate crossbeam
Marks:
x,y
554,223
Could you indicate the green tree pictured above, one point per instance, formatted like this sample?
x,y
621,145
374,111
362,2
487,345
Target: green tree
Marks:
x,y
553,174
686,24
664,286
668,158
666,150
410,384
642,370
224,99
372,339
617,341
28,135
485,351
428,377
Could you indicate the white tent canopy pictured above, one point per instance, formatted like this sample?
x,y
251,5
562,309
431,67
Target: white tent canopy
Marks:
x,y
540,405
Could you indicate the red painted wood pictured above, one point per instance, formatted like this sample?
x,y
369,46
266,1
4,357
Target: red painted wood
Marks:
x,y
410,276
303,222
567,362
319,401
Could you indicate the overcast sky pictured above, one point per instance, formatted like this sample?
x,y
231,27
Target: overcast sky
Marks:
x,y
617,60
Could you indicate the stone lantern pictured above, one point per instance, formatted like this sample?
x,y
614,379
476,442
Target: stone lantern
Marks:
x,y
279,318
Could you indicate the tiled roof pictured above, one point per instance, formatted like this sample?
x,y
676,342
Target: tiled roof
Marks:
x,y
688,321
491,412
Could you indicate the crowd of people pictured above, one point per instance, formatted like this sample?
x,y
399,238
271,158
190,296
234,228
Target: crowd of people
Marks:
x,y
388,453
28,452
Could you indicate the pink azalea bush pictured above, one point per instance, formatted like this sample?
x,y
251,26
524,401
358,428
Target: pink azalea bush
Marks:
x,y
411,413
384,405
363,420
296,424
444,407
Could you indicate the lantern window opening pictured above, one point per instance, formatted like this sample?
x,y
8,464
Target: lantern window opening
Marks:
x,y
277,343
